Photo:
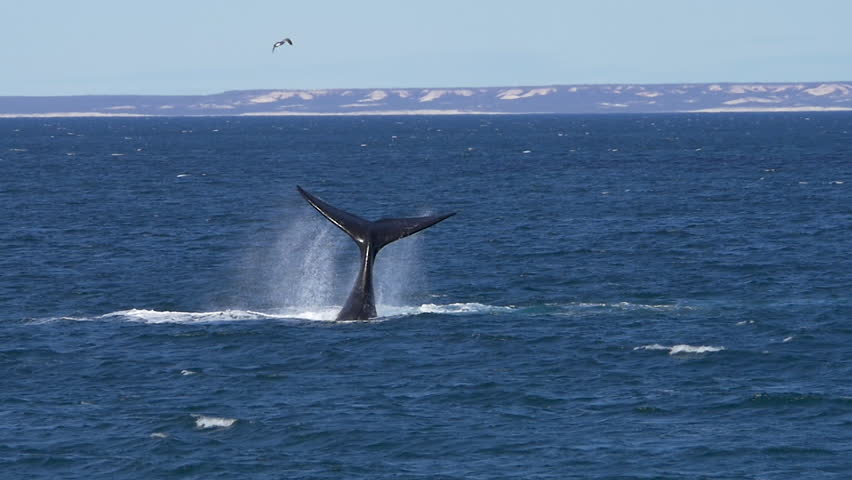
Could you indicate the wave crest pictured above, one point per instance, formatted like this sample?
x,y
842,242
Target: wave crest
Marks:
x,y
314,314
682,348
203,422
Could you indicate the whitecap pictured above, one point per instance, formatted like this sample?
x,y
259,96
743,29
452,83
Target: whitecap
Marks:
x,y
692,349
319,313
456,308
791,337
682,348
202,421
159,435
154,316
188,372
632,306
387,312
655,346
183,175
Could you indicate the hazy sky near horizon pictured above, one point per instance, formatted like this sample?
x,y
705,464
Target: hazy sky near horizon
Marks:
x,y
58,47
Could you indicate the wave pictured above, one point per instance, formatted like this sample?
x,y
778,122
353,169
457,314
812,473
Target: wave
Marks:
x,y
155,316
682,348
631,306
324,314
386,312
457,308
763,400
202,422
795,398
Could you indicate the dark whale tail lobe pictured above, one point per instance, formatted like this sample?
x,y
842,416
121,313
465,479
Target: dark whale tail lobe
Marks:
x,y
370,237
378,233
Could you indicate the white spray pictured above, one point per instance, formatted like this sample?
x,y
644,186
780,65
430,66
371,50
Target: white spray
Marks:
x,y
308,271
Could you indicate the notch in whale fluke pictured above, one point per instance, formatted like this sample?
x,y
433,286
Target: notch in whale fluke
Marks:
x,y
370,236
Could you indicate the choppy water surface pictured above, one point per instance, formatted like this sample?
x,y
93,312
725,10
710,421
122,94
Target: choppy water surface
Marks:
x,y
619,297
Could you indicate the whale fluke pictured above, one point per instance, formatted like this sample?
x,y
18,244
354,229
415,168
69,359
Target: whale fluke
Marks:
x,y
370,236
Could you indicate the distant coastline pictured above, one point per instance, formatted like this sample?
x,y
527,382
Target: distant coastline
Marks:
x,y
549,99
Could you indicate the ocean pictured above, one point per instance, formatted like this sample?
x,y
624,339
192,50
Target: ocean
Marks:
x,y
618,297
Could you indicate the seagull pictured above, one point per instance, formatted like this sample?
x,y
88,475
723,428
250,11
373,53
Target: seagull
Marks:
x,y
282,42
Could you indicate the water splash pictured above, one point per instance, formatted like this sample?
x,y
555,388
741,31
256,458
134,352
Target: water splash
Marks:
x,y
301,268
310,275
310,267
398,274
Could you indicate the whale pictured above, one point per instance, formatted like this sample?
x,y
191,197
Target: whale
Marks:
x,y
370,236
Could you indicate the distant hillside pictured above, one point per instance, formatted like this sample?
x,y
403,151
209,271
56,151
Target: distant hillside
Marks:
x,y
716,97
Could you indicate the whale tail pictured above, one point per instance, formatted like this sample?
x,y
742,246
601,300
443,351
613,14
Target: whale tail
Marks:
x,y
370,236
375,234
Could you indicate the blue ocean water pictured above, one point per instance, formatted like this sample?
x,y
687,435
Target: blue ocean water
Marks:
x,y
619,297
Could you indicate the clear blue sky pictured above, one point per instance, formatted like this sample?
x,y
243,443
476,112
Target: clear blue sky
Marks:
x,y
59,47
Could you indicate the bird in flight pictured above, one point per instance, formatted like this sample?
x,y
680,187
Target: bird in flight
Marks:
x,y
282,42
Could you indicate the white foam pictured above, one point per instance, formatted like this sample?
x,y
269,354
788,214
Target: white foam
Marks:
x,y
324,314
457,308
202,421
387,312
681,349
633,306
159,435
655,346
304,310
188,372
692,349
154,316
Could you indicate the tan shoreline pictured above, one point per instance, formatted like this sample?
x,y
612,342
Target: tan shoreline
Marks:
x,y
70,115
771,109
422,112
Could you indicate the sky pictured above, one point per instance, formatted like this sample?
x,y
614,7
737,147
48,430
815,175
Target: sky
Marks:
x,y
180,47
